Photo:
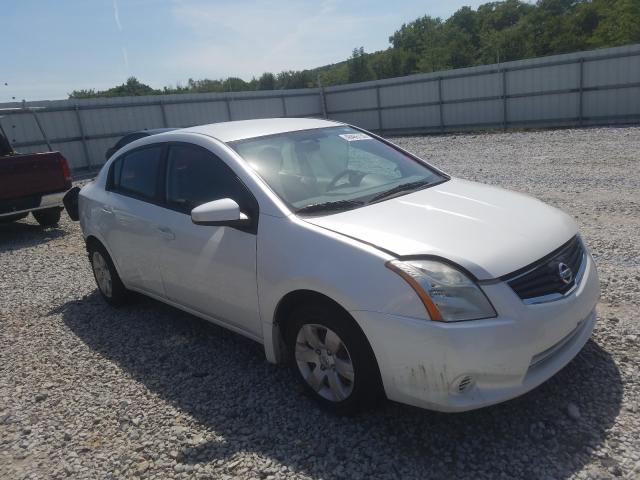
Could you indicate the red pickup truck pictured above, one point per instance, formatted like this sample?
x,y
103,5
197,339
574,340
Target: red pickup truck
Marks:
x,y
32,182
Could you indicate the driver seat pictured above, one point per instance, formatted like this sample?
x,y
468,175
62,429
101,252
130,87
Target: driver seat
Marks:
x,y
268,163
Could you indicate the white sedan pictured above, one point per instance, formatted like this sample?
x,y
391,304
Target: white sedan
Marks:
x,y
368,269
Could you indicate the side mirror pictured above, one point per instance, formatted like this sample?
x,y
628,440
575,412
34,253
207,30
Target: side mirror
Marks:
x,y
223,212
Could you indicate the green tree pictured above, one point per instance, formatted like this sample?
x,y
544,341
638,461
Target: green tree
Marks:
x,y
234,84
267,81
83,93
132,87
462,36
294,79
337,74
393,62
359,69
619,23
503,31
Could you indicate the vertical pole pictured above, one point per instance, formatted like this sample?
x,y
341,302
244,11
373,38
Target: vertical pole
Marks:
x,y
505,121
44,135
379,109
323,99
2,132
440,105
164,114
580,100
284,105
226,101
82,136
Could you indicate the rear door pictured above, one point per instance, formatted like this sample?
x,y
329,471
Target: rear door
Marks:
x,y
133,218
211,270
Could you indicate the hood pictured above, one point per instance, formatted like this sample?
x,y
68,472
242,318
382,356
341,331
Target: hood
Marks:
x,y
487,230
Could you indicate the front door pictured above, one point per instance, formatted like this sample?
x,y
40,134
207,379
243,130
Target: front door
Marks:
x,y
211,270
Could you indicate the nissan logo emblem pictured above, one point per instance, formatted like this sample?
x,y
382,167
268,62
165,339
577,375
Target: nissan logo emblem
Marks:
x,y
565,273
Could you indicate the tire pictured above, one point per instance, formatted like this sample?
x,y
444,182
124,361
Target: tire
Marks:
x,y
326,376
107,279
49,217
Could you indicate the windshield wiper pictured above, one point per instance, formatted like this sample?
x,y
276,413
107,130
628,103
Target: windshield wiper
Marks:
x,y
398,189
330,206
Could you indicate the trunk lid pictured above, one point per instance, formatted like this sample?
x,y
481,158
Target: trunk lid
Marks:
x,y
26,175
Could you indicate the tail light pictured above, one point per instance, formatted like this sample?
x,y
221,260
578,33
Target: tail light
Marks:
x,y
66,172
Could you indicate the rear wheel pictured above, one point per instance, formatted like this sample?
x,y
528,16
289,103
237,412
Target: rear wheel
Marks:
x,y
332,358
109,284
49,217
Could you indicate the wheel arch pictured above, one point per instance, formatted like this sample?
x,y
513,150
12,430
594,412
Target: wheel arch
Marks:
x,y
282,314
92,239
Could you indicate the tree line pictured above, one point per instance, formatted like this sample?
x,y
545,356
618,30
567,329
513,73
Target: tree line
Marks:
x,y
495,32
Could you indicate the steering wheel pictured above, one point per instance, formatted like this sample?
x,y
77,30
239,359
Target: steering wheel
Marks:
x,y
354,176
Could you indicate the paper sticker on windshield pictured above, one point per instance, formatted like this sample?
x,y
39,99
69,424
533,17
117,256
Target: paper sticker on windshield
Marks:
x,y
352,137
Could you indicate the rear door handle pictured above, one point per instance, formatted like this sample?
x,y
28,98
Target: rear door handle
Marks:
x,y
167,233
106,210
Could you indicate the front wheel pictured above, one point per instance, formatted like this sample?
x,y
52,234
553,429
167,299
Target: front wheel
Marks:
x,y
332,358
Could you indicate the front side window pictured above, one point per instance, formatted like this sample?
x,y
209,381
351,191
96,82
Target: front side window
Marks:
x,y
136,173
196,176
333,168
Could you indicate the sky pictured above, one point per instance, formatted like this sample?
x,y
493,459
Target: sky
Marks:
x,y
57,46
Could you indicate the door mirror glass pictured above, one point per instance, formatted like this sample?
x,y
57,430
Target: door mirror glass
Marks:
x,y
223,212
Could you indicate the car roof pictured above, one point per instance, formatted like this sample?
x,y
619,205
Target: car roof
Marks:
x,y
243,129
131,136
153,131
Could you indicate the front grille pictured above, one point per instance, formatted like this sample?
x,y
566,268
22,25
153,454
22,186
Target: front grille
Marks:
x,y
542,278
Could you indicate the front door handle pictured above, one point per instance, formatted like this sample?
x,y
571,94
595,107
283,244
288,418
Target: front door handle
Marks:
x,y
167,233
106,210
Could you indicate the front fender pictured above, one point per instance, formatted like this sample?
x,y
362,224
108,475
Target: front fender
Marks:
x,y
295,255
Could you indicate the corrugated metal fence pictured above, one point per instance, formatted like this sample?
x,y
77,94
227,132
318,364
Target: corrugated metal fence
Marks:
x,y
599,87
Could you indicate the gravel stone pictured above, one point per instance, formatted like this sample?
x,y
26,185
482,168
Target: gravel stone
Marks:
x,y
146,391
573,411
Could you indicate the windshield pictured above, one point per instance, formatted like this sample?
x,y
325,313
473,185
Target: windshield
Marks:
x,y
335,168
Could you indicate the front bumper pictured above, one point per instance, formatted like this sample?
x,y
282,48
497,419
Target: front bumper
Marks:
x,y
422,362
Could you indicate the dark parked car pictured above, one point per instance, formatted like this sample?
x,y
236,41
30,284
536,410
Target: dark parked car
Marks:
x,y
32,182
130,137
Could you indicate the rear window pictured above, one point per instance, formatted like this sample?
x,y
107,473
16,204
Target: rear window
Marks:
x,y
137,173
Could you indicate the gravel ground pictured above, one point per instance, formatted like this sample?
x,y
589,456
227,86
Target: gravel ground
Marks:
x,y
87,391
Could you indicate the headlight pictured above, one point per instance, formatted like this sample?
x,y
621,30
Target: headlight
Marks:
x,y
448,294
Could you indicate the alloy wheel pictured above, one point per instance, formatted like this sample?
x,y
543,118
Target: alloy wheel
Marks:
x,y
102,274
324,362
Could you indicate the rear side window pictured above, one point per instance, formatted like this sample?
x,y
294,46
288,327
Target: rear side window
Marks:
x,y
196,176
137,173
